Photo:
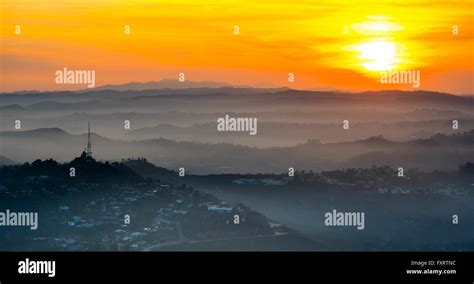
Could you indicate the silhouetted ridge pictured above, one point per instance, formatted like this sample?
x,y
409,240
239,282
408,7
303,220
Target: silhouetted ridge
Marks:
x,y
82,169
5,161
375,140
453,139
146,169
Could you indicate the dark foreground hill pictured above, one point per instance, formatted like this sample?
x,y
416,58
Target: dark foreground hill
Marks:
x,y
83,169
108,207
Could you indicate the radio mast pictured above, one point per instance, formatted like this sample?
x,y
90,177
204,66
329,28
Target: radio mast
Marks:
x,y
89,146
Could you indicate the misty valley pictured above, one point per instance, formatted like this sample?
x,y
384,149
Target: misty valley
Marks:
x,y
162,168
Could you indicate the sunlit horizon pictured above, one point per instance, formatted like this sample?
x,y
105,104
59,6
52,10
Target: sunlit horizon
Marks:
x,y
340,45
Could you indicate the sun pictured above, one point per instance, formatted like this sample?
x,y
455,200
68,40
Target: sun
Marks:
x,y
378,55
378,47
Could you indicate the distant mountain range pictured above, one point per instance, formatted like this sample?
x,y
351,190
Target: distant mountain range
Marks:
x,y
222,98
162,84
136,91
174,84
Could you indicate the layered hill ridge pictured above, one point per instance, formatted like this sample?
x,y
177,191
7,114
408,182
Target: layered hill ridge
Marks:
x,y
442,151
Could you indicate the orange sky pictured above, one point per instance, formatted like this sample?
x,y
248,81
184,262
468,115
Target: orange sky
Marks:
x,y
306,38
